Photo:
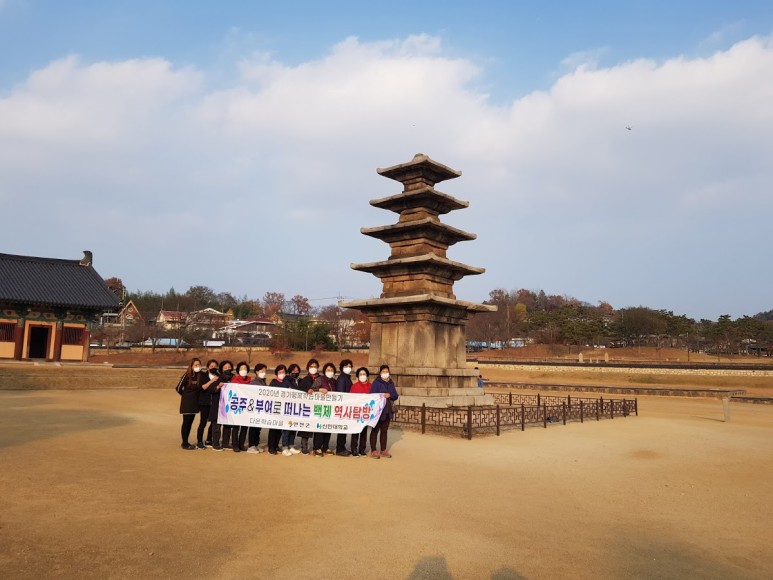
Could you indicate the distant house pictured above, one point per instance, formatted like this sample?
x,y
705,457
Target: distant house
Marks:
x,y
46,306
208,319
129,315
261,329
171,319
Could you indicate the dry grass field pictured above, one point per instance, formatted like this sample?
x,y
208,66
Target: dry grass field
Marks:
x,y
756,385
95,486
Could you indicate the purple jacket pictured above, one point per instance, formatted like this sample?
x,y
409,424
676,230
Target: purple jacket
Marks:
x,y
381,386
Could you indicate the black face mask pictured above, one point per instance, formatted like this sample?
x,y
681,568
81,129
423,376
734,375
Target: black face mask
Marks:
x,y
228,373
295,375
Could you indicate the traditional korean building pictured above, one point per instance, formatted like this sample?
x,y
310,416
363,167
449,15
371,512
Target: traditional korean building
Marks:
x,y
46,305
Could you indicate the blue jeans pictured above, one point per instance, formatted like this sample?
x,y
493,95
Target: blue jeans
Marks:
x,y
288,438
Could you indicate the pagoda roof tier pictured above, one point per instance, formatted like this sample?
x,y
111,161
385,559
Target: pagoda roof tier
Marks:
x,y
425,197
426,263
421,169
423,228
376,304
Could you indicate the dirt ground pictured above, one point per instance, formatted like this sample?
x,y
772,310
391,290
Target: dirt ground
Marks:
x,y
94,485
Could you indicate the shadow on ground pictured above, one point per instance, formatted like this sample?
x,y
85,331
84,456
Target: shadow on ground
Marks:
x,y
436,568
15,428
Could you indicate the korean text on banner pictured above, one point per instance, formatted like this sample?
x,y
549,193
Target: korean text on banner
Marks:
x,y
288,409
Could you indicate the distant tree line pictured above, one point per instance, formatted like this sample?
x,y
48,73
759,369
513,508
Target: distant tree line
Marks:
x,y
535,317
303,327
523,316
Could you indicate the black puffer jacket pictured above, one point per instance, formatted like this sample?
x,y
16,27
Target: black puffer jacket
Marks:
x,y
189,388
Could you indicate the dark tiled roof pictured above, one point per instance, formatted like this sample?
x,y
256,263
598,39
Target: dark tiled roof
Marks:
x,y
53,282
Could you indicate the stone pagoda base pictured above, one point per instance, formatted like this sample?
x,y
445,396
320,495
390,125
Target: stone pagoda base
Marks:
x,y
440,388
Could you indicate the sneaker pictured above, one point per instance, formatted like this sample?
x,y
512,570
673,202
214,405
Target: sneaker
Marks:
x,y
375,455
236,448
386,454
200,445
286,452
294,451
272,451
208,443
188,447
318,453
355,454
343,453
305,451
253,450
217,448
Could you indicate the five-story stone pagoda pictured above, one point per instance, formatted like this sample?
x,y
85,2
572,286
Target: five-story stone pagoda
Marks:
x,y
417,326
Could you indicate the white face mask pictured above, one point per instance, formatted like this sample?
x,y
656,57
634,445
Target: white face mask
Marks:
x,y
196,369
262,375
280,377
243,373
330,374
312,370
347,370
384,376
363,378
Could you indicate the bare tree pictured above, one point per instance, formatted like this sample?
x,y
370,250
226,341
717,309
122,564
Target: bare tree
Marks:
x,y
273,303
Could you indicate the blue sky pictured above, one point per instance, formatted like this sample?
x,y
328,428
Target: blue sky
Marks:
x,y
246,135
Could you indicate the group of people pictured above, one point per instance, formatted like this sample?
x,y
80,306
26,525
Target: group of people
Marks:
x,y
199,390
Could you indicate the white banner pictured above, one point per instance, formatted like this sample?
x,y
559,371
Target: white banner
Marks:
x,y
292,410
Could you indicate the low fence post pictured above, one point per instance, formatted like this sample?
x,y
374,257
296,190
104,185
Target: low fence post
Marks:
x,y
497,420
423,418
611,408
569,401
538,399
523,417
581,417
510,395
544,415
636,406
469,422
563,411
598,407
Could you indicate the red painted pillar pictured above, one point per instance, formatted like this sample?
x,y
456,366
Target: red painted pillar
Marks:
x,y
18,340
58,329
86,343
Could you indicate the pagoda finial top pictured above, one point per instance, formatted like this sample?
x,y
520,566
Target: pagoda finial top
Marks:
x,y
420,172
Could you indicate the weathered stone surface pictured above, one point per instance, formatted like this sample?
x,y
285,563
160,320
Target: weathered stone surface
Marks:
x,y
417,325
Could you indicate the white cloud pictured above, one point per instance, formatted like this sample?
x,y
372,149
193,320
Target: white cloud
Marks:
x,y
165,168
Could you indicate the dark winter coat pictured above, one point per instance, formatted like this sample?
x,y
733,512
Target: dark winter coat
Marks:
x,y
380,386
190,391
344,383
322,382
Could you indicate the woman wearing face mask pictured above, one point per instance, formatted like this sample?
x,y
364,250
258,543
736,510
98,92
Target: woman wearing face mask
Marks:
x,y
361,386
343,385
323,384
220,433
239,432
253,433
189,389
205,404
305,384
383,384
288,437
275,435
